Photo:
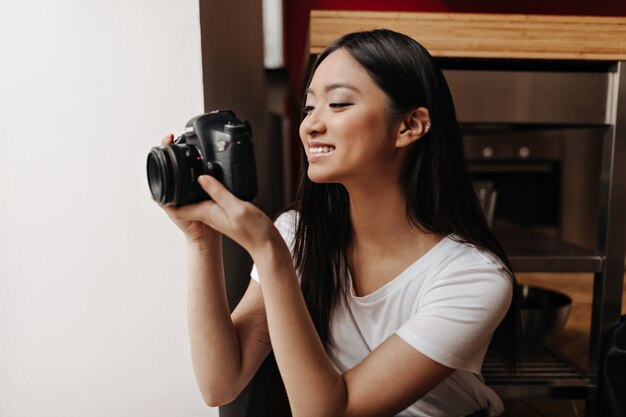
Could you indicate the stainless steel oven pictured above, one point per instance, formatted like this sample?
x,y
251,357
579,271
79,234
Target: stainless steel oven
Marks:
x,y
536,136
526,171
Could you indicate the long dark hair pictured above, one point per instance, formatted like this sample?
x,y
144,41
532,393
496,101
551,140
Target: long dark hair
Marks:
x,y
439,195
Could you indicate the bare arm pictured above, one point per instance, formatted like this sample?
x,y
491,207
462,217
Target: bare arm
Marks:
x,y
390,379
226,351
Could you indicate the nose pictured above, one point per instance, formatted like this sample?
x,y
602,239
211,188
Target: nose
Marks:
x,y
312,124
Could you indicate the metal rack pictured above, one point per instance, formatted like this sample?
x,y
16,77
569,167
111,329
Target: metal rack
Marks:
x,y
542,374
545,374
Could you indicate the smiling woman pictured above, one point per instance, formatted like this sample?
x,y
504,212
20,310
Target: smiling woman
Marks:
x,y
353,114
346,112
379,292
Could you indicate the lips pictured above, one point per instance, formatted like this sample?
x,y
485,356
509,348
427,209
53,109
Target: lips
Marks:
x,y
320,145
319,150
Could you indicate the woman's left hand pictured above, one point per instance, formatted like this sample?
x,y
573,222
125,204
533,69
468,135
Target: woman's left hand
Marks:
x,y
239,220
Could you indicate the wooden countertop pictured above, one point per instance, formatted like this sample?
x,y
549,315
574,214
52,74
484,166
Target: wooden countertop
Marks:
x,y
472,35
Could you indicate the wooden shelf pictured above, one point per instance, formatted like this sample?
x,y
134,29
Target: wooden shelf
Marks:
x,y
473,35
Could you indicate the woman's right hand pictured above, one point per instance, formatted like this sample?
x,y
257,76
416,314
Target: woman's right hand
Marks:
x,y
195,232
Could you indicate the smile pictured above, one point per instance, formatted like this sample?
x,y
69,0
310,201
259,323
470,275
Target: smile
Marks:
x,y
321,150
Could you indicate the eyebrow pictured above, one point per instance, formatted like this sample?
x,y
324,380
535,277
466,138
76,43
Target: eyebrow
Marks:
x,y
334,86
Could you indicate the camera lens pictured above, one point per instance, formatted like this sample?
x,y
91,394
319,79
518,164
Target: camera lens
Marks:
x,y
173,171
160,176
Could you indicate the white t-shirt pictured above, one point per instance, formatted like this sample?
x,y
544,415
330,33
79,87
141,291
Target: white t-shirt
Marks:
x,y
446,305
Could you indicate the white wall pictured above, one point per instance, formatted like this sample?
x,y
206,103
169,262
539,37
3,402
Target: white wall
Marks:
x,y
92,284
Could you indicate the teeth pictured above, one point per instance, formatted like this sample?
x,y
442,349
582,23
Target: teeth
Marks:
x,y
322,149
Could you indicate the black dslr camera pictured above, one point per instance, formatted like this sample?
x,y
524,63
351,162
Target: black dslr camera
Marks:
x,y
217,144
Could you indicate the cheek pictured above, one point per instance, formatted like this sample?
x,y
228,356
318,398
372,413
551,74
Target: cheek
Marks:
x,y
368,128
372,120
302,132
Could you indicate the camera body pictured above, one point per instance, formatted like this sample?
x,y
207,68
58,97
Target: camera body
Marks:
x,y
216,143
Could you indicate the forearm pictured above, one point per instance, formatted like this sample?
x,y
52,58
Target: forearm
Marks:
x,y
313,385
213,339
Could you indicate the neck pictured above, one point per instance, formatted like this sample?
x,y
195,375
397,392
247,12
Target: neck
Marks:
x,y
378,214
384,242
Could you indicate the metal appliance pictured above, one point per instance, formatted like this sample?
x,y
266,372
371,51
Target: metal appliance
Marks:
x,y
536,135
555,130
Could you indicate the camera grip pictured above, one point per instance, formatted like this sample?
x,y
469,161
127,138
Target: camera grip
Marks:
x,y
244,180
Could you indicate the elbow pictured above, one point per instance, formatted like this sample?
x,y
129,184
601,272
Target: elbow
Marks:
x,y
219,388
217,400
335,402
217,397
213,401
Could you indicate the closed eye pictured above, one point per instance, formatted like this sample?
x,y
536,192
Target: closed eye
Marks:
x,y
307,109
339,105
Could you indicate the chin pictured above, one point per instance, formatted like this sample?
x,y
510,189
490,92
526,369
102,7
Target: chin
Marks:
x,y
318,177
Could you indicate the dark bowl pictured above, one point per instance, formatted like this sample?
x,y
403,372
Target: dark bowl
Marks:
x,y
544,314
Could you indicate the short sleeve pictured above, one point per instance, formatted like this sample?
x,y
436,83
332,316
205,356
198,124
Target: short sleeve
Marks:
x,y
286,225
457,315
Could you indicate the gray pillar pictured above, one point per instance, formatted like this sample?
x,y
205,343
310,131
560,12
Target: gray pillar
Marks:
x,y
234,79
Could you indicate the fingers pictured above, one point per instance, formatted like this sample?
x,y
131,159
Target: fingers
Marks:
x,y
224,213
167,139
211,212
207,212
218,192
239,220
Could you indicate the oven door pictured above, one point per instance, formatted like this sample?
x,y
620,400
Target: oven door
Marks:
x,y
525,169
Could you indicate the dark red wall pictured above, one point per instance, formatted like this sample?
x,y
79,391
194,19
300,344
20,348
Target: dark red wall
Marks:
x,y
576,7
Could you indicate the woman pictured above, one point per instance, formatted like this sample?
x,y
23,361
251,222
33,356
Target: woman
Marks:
x,y
398,283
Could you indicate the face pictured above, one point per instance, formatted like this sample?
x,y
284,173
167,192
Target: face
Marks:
x,y
345,132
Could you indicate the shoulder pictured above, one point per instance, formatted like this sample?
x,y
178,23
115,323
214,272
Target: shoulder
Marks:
x,y
464,269
454,256
456,251
466,294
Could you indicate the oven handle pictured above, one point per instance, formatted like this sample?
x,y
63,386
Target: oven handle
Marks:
x,y
527,167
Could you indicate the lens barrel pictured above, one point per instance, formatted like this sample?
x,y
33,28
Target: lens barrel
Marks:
x,y
160,176
173,171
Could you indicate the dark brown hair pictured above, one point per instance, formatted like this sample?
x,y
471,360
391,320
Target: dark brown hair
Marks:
x,y
439,195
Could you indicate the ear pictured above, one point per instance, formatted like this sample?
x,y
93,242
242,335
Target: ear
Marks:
x,y
414,125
